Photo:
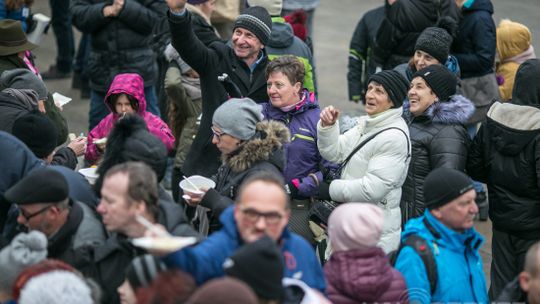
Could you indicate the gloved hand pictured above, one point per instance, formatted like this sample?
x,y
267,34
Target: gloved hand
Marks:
x,y
292,189
324,191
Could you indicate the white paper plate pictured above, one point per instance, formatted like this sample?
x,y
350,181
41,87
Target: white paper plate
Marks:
x,y
165,244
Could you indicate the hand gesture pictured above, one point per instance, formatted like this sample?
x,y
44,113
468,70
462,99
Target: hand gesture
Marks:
x,y
176,6
78,145
329,116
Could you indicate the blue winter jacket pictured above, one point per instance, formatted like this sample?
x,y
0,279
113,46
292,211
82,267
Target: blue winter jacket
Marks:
x,y
303,155
459,265
205,261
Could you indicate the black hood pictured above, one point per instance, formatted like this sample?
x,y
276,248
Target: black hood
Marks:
x,y
282,35
526,90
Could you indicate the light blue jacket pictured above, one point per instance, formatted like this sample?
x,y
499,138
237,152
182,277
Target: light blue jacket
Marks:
x,y
205,260
459,265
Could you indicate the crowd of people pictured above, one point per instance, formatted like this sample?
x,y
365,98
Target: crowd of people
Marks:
x,y
297,207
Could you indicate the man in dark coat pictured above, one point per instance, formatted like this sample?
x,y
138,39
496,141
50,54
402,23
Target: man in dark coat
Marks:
x,y
120,34
505,155
244,62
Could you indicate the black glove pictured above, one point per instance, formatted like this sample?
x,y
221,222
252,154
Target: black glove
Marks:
x,y
324,191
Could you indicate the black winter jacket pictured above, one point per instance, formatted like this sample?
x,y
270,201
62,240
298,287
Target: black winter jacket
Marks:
x,y
404,21
361,63
211,62
265,154
438,139
506,156
475,44
120,44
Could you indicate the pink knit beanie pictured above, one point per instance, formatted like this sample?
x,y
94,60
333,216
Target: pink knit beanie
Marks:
x,y
355,226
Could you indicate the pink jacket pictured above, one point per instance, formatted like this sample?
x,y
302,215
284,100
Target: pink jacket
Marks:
x,y
130,84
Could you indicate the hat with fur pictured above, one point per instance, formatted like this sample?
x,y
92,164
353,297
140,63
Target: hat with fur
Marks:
x,y
24,250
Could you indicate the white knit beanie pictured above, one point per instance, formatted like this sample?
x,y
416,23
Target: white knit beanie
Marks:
x,y
56,287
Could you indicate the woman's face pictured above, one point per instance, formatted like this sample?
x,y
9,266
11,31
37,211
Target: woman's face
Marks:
x,y
420,96
126,293
281,91
422,59
224,142
377,100
123,105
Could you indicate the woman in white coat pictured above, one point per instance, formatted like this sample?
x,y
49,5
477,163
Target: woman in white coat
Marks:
x,y
376,172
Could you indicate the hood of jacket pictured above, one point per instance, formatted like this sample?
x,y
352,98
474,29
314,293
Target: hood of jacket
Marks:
x,y
526,90
361,275
23,99
267,146
512,127
282,34
513,38
445,237
457,110
129,84
479,5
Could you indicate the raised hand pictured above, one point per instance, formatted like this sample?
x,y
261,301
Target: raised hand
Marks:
x,y
329,116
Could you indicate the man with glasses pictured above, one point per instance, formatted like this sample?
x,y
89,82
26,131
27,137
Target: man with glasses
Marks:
x,y
44,205
262,208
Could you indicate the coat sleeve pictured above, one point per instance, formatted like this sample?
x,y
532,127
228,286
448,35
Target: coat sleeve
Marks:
x,y
385,172
142,18
160,129
216,202
476,162
448,149
482,56
200,57
333,146
357,60
92,153
65,157
414,272
88,16
203,261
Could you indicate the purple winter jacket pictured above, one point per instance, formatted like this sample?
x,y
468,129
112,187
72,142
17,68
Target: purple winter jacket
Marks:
x,y
130,84
363,276
303,155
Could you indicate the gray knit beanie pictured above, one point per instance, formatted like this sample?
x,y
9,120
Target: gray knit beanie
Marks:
x,y
23,79
238,117
54,287
256,20
26,249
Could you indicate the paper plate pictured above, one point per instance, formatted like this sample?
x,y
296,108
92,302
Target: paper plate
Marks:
x,y
165,244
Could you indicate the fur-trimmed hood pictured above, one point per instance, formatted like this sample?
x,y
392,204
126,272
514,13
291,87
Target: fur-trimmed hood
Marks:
x,y
457,110
267,145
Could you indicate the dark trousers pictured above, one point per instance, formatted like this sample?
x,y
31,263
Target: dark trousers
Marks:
x,y
508,258
61,24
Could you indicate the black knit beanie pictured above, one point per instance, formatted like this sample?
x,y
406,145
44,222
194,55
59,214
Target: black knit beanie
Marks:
x,y
260,265
257,20
443,185
441,81
395,85
143,270
436,41
37,131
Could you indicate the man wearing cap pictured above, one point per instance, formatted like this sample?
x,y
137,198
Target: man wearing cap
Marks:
x,y
244,61
13,47
447,228
44,205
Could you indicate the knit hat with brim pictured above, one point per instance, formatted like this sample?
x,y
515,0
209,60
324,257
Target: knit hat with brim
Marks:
x,y
13,39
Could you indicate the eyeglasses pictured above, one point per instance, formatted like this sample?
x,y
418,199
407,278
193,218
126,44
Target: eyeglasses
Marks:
x,y
28,216
216,133
252,215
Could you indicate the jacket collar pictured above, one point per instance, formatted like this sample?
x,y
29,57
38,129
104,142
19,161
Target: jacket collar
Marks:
x,y
457,110
61,240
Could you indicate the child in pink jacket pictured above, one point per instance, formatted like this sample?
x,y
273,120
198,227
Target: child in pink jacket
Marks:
x,y
125,96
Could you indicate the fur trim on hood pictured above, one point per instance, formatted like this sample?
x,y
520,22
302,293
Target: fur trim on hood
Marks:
x,y
523,118
457,110
274,135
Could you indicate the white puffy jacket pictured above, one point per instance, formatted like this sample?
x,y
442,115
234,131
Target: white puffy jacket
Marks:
x,y
376,172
